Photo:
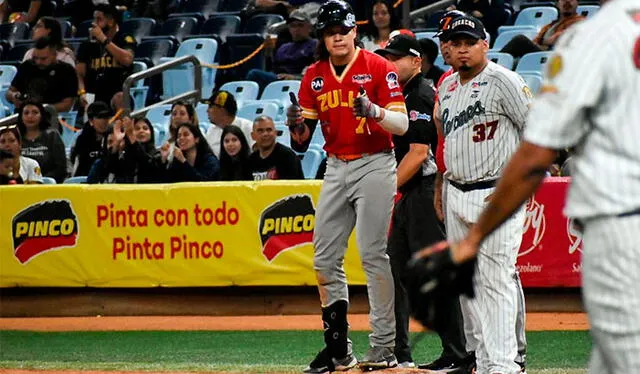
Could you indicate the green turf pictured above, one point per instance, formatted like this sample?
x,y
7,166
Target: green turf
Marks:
x,y
254,351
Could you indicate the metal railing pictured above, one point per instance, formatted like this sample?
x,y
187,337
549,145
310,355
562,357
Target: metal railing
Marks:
x,y
194,94
431,8
9,120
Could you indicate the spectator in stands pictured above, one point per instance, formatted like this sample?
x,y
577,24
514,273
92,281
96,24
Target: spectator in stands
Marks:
x,y
291,58
430,53
44,79
272,160
99,172
280,7
490,12
549,34
6,168
88,147
42,143
193,160
32,10
117,102
382,21
25,170
105,61
234,155
134,158
222,113
49,26
181,112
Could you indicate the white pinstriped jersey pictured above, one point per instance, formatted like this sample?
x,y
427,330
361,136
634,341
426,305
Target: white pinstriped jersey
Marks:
x,y
591,101
482,122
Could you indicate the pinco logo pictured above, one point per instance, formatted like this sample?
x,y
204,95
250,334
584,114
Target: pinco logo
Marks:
x,y
575,236
43,227
286,224
535,225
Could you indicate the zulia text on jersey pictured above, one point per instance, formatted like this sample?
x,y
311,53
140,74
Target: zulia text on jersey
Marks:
x,y
461,118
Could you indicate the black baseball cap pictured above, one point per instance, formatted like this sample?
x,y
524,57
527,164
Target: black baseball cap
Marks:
x,y
468,26
445,23
224,99
99,109
401,45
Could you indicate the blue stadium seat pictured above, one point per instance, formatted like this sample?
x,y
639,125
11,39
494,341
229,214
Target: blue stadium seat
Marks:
x,y
179,27
317,138
206,7
74,44
533,62
531,28
533,80
500,58
201,111
506,37
258,108
588,10
283,134
242,90
278,93
76,180
180,79
151,50
66,28
69,135
310,162
439,62
17,52
238,47
82,30
259,23
139,91
48,180
160,134
204,127
222,26
138,27
536,16
197,15
7,73
318,147
428,35
160,116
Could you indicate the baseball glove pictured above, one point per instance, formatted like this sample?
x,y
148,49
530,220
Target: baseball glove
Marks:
x,y
433,282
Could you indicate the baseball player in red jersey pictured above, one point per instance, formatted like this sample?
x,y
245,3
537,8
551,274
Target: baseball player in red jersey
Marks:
x,y
356,97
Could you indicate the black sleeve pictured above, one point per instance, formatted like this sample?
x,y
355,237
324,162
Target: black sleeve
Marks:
x,y
19,81
84,53
311,126
69,81
291,166
422,129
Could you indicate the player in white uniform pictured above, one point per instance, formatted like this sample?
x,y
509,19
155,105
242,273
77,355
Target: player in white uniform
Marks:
x,y
482,110
590,101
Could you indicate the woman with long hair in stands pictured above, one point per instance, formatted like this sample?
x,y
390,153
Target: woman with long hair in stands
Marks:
x,y
181,112
193,159
25,170
42,143
382,21
234,155
49,26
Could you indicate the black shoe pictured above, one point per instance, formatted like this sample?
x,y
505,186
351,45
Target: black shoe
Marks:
x,y
443,365
323,363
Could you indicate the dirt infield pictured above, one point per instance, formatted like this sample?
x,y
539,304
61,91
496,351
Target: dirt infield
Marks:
x,y
359,322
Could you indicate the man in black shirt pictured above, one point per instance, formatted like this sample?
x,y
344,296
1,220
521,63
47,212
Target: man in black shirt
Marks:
x,y
44,79
106,60
415,224
272,160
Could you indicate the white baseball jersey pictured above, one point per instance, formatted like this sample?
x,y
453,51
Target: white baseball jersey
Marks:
x,y
598,113
482,122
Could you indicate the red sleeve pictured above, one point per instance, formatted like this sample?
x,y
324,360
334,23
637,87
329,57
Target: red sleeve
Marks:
x,y
440,154
305,95
388,89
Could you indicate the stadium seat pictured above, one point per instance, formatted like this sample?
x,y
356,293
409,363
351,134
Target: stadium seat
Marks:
x,y
11,32
74,44
48,180
317,138
536,16
278,93
242,90
588,10
238,47
138,27
204,127
533,80
201,111
66,28
506,37
434,19
258,108
233,5
310,162
68,134
17,52
206,7
221,25
197,15
500,58
180,79
160,135
428,35
439,62
283,134
179,27
160,116
533,62
318,147
139,91
151,50
531,28
82,30
7,73
76,180
259,24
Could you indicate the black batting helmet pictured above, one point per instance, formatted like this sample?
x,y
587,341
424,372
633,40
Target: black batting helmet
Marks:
x,y
335,13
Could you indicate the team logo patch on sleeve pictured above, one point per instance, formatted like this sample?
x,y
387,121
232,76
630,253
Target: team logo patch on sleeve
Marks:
x,y
317,83
286,224
43,227
392,80
414,115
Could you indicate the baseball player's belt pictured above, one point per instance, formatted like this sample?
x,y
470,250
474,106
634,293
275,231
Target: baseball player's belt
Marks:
x,y
356,156
466,187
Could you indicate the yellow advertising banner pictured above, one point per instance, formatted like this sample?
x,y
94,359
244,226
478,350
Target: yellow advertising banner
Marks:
x,y
179,235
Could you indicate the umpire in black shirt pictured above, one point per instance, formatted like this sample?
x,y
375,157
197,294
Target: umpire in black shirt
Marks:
x,y
415,224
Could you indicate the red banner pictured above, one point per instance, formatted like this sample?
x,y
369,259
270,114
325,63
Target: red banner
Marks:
x,y
550,254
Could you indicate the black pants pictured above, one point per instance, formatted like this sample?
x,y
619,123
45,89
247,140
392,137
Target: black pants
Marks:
x,y
415,226
519,46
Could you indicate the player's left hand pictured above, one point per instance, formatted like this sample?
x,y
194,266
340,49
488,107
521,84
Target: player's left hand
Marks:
x,y
363,107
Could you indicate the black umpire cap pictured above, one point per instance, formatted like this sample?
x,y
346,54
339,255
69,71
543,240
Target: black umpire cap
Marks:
x,y
401,46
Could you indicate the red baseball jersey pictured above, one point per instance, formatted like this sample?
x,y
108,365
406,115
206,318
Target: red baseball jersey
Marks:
x,y
327,97
440,150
